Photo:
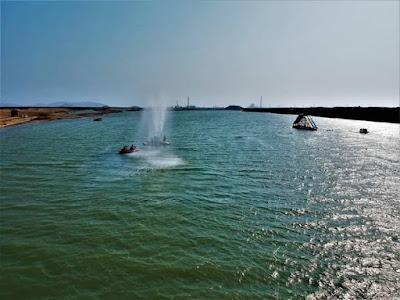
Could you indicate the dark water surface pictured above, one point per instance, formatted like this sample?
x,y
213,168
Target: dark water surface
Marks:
x,y
240,206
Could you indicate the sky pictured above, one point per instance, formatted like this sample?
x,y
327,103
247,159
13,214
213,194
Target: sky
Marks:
x,y
293,53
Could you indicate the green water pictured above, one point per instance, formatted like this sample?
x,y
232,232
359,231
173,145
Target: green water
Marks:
x,y
239,206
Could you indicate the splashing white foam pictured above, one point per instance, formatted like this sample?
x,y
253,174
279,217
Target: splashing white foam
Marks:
x,y
157,158
165,162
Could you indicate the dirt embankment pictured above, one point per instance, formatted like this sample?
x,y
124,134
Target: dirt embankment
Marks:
x,y
12,116
377,114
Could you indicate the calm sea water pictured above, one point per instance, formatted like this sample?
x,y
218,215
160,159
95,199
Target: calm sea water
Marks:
x,y
240,206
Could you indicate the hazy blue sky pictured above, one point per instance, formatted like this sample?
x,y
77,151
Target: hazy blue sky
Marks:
x,y
125,53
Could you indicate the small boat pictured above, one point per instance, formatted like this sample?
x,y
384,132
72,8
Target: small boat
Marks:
x,y
304,121
364,130
97,119
127,150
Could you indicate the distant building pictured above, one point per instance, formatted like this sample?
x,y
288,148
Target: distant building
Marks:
x,y
14,112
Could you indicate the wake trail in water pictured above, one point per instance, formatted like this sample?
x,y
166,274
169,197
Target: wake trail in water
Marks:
x,y
161,161
157,158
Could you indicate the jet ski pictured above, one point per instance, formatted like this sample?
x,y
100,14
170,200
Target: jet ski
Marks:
x,y
127,150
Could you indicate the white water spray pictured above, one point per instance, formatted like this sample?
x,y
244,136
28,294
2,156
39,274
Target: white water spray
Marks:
x,y
153,154
157,119
154,119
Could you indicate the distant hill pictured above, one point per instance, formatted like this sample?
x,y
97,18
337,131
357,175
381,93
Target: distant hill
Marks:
x,y
233,107
72,104
134,108
6,104
55,104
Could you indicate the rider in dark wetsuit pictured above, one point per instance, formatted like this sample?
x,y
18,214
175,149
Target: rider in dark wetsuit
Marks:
x,y
124,149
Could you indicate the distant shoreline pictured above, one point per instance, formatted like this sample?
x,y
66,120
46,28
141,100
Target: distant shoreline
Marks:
x,y
30,114
376,114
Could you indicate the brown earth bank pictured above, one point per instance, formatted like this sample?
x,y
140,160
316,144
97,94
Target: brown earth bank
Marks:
x,y
20,115
377,114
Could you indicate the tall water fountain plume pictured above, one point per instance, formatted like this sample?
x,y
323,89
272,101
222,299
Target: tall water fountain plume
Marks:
x,y
154,119
157,119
